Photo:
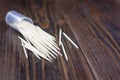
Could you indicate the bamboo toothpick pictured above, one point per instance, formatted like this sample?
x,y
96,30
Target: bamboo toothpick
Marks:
x,y
61,44
60,35
70,40
65,54
24,51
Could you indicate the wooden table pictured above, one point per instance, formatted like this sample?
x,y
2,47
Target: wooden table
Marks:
x,y
93,25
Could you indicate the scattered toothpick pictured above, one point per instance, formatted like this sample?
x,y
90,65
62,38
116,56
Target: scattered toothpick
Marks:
x,y
24,51
61,43
70,40
60,35
65,54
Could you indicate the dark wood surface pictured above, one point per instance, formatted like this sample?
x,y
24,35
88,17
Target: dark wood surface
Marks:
x,y
93,24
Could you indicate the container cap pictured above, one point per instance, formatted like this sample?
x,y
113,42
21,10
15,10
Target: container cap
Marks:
x,y
12,18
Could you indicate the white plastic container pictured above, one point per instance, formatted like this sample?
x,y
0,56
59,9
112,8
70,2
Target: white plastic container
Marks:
x,y
12,18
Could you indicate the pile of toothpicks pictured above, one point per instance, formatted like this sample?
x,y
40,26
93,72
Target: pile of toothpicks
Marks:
x,y
26,44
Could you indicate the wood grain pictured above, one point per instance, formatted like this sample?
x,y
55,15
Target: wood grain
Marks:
x,y
93,25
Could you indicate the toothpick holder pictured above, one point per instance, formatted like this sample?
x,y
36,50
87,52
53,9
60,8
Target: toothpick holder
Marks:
x,y
12,18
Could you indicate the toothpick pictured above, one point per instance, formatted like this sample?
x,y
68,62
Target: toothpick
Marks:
x,y
24,50
33,49
63,48
37,55
70,40
60,33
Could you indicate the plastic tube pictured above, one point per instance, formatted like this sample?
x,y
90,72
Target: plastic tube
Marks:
x,y
12,18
